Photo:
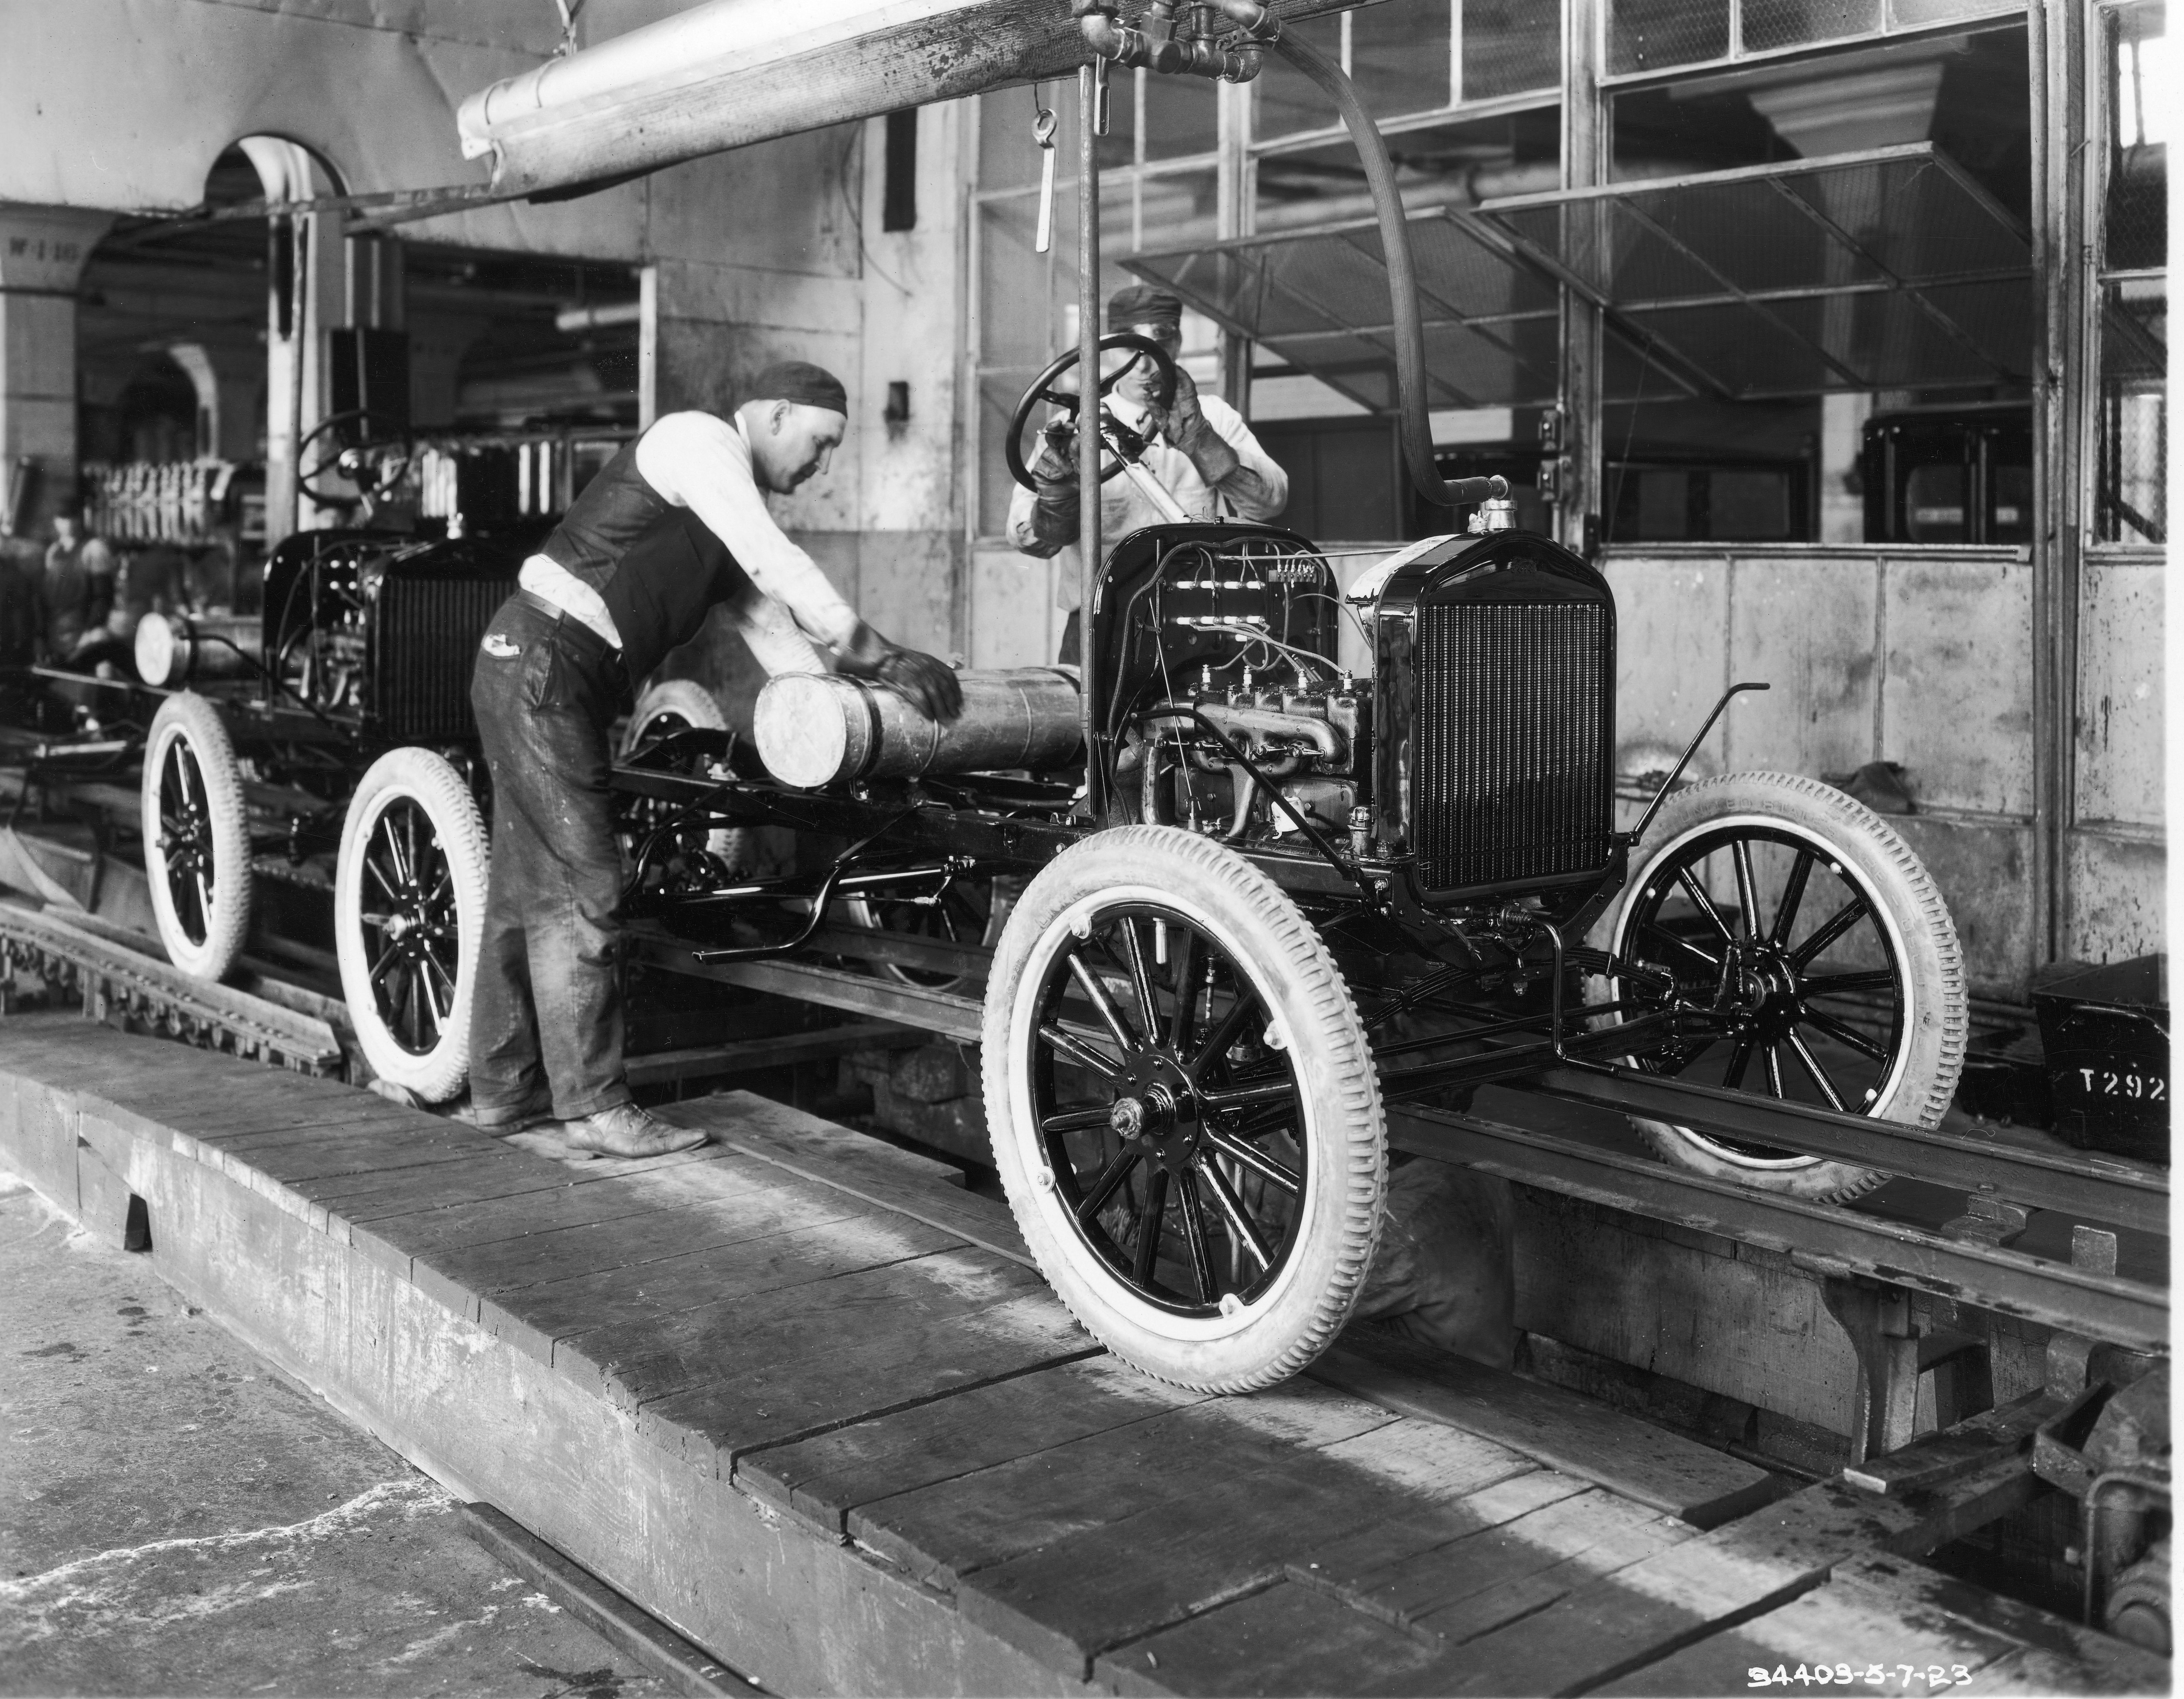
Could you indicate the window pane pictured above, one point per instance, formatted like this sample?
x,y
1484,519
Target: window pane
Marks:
x,y
1182,116
2142,105
1645,35
1178,207
2134,413
1788,23
1284,100
1446,164
1510,47
1399,56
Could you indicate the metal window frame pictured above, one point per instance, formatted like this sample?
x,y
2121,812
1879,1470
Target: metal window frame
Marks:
x,y
1438,312
1662,352
1737,58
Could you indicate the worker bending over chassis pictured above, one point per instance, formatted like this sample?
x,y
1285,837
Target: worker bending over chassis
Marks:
x,y
1198,446
674,525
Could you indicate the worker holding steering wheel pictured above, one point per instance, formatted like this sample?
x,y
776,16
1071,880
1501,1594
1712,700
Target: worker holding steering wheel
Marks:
x,y
1197,449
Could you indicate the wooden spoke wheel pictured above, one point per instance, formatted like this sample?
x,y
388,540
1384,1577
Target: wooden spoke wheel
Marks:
x,y
1815,934
1183,1108
409,908
197,837
666,707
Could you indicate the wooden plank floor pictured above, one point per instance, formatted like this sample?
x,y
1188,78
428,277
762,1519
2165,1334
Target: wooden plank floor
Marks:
x,y
802,1396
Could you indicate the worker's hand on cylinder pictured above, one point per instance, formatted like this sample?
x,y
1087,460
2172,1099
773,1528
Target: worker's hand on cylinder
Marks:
x,y
923,679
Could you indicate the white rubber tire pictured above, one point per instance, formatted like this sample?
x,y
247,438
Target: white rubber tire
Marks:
x,y
1923,1076
188,729
690,702
1229,900
425,779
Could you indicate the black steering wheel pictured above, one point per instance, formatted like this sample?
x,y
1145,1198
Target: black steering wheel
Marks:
x,y
368,450
1042,389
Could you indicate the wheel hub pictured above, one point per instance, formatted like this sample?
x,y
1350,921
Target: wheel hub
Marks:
x,y
1158,1111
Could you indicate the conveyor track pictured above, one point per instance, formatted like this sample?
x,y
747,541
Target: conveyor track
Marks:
x,y
125,985
2103,1193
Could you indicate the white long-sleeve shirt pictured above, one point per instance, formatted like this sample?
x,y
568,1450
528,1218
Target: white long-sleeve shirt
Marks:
x,y
1256,489
704,463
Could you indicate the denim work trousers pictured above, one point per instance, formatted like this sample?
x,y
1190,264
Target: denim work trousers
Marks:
x,y
546,1019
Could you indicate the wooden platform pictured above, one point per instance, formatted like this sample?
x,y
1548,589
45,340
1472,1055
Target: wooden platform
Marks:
x,y
799,1395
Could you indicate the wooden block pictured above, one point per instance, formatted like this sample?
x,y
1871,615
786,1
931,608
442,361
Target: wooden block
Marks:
x,y
1512,1550
2102,1663
1630,1457
865,1167
1103,1586
1527,1566
394,1242
535,1317
1355,1566
527,1256
1656,1606
1285,1639
2035,1671
855,1314
1843,1622
422,1187
825,1477
942,1533
356,1165
775,1390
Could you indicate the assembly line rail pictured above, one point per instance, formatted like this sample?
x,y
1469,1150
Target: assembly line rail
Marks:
x,y
1826,1239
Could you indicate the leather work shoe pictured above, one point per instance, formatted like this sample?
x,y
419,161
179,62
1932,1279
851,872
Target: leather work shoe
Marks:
x,y
626,1130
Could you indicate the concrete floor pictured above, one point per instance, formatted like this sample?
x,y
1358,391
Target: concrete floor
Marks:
x,y
176,1517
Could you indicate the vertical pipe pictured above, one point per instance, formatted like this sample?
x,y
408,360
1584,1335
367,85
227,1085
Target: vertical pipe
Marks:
x,y
1580,513
299,342
1087,420
2056,31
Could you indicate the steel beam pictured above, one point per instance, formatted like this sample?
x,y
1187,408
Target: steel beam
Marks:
x,y
2083,1185
1821,1237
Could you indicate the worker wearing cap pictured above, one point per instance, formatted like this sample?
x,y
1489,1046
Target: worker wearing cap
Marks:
x,y
1198,448
608,595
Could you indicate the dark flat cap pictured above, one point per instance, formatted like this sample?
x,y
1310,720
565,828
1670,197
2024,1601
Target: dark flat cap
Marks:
x,y
1141,303
799,380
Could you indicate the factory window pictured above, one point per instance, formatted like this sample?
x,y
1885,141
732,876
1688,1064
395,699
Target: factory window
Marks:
x,y
2137,114
1648,36
1815,276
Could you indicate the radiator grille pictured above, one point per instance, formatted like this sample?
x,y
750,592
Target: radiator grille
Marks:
x,y
1511,757
424,636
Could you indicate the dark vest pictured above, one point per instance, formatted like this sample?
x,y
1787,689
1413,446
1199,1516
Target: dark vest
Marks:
x,y
657,567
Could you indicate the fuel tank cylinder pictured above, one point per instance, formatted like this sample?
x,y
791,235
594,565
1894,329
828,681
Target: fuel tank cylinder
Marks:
x,y
820,728
174,649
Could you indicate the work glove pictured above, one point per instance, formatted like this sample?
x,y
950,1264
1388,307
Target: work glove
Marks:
x,y
929,684
1054,517
1186,425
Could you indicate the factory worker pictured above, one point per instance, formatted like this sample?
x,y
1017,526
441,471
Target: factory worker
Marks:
x,y
1201,449
615,587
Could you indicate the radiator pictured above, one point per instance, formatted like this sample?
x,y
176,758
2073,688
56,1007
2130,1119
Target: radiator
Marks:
x,y
1511,741
424,633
